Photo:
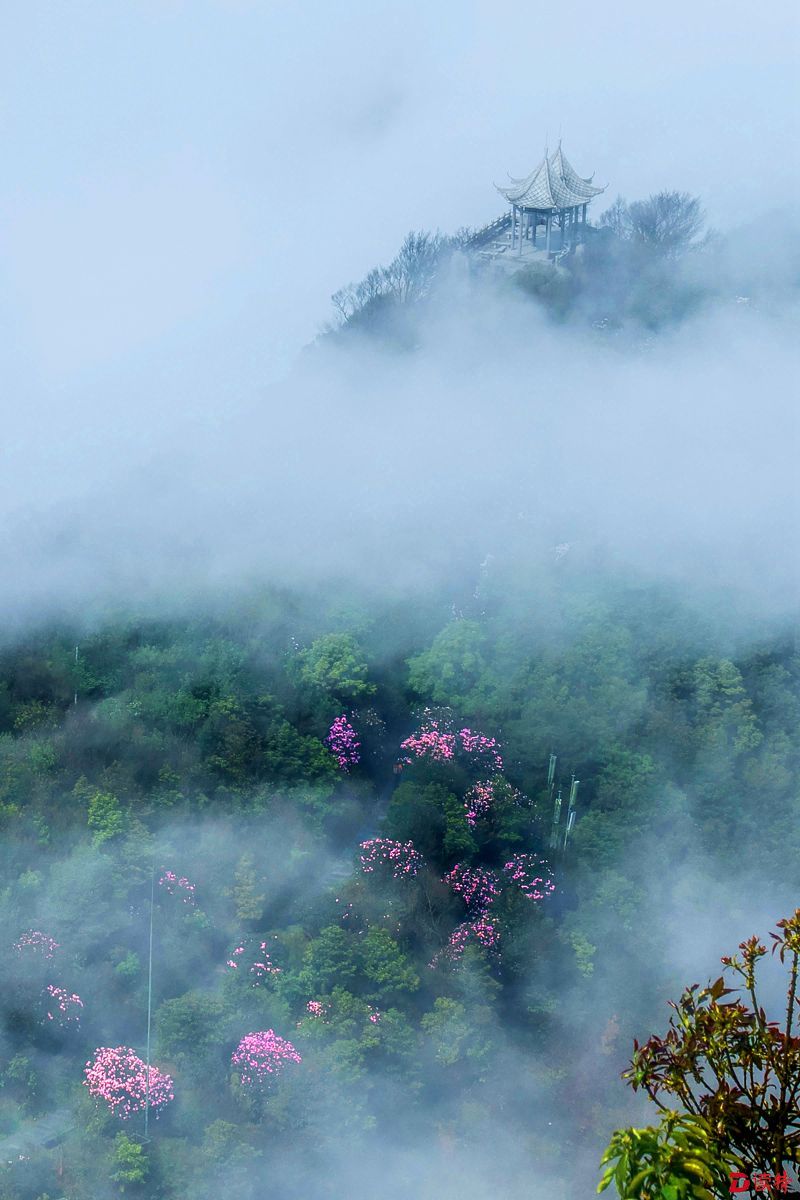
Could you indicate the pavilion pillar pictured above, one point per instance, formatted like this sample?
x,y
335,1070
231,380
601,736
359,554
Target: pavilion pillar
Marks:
x,y
522,215
535,227
547,235
513,219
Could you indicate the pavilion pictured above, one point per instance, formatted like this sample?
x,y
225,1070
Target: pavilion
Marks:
x,y
553,195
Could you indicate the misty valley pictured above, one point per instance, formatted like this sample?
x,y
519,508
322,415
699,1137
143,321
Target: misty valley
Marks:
x,y
416,880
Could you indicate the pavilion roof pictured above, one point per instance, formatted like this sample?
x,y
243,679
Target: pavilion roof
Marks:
x,y
553,184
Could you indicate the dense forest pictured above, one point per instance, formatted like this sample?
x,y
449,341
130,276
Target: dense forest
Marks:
x,y
378,964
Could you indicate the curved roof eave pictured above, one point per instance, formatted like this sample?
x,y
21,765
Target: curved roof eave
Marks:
x,y
553,184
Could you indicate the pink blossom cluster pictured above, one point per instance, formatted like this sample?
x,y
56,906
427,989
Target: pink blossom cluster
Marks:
x,y
478,887
481,930
430,741
374,1015
315,1008
63,1006
400,856
478,801
119,1077
481,747
434,740
481,796
531,874
261,1056
343,743
174,886
37,942
261,966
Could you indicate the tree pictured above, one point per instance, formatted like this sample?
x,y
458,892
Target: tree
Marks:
x,y
247,898
723,712
385,966
188,1028
407,278
452,669
130,1165
729,1066
674,1161
668,221
336,664
449,1030
329,960
617,218
412,271
458,841
106,817
417,813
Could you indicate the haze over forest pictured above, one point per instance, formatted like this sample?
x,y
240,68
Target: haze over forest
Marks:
x,y
309,613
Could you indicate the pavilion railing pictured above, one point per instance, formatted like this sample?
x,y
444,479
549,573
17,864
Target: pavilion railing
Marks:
x,y
487,232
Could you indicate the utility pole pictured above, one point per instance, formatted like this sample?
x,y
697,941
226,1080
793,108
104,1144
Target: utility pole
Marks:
x,y
556,818
573,795
149,998
75,701
551,772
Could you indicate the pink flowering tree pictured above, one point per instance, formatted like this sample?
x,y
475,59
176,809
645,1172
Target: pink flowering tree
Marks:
x,y
436,741
119,1077
478,887
250,959
486,795
262,1057
478,801
481,750
63,1008
175,885
482,932
384,853
343,743
33,943
430,741
315,1008
531,874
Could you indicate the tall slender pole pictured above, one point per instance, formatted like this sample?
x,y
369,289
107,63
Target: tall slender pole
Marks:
x,y
149,998
554,834
573,796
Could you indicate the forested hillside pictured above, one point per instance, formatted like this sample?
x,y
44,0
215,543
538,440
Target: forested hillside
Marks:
x,y
372,968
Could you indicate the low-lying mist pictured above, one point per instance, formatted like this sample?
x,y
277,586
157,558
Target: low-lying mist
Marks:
x,y
670,454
